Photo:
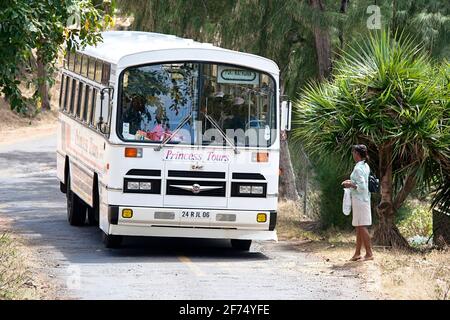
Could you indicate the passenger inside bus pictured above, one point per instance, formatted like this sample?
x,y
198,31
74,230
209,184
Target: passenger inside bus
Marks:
x,y
158,99
237,116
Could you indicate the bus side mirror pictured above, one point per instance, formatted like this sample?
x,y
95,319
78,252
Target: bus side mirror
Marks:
x,y
105,110
286,114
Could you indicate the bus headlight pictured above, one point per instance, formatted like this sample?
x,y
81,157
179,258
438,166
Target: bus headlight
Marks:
x,y
257,190
248,189
145,185
245,189
142,186
133,185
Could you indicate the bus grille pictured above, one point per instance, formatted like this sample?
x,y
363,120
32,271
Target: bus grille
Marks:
x,y
196,188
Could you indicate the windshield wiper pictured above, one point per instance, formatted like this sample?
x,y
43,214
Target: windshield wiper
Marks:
x,y
183,122
178,128
214,123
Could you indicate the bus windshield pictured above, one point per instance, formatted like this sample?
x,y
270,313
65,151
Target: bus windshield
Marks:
x,y
197,103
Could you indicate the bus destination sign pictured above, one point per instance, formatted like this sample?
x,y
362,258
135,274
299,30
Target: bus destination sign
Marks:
x,y
238,76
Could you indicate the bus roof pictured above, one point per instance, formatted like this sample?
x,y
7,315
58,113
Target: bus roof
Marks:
x,y
119,44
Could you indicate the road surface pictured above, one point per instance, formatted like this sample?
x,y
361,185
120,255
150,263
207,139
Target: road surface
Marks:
x,y
149,268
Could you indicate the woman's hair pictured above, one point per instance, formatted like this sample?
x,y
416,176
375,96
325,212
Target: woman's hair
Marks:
x,y
361,150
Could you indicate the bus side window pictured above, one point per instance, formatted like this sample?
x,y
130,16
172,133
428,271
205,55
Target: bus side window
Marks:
x,y
74,104
81,100
91,71
103,107
84,65
62,92
71,61
106,71
78,58
66,92
93,118
87,89
97,102
98,71
69,94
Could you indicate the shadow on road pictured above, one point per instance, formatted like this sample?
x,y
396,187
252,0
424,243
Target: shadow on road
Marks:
x,y
30,197
207,249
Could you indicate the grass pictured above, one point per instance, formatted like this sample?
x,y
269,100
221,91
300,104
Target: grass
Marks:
x,y
15,280
415,218
394,274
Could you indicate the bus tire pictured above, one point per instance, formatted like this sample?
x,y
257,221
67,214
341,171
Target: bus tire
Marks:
x,y
92,221
112,240
241,245
93,212
76,208
62,187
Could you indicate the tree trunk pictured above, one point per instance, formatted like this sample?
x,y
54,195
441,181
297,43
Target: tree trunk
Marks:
x,y
262,39
394,16
386,232
287,188
42,82
322,43
343,10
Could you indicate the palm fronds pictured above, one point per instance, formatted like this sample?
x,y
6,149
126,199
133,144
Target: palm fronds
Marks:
x,y
384,90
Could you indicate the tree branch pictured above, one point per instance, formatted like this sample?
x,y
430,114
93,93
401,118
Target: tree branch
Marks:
x,y
408,186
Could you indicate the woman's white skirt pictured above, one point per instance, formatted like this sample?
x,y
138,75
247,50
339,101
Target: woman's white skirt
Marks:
x,y
362,215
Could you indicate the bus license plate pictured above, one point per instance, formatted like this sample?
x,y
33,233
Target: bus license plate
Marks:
x,y
195,214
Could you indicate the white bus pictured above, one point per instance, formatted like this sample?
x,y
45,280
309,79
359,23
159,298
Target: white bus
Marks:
x,y
167,137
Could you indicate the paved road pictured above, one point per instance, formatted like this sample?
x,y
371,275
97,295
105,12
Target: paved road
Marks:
x,y
149,268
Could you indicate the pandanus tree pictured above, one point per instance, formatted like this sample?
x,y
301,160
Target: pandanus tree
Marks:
x,y
385,93
441,197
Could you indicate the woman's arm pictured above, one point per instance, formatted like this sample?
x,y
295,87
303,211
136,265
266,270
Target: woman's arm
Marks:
x,y
358,181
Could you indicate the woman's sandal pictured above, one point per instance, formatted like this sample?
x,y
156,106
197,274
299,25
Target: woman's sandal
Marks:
x,y
355,258
368,258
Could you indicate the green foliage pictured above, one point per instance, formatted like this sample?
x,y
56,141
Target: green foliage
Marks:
x,y
385,91
329,175
283,30
442,195
279,30
415,219
40,25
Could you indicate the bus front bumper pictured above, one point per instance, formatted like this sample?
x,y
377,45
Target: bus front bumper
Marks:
x,y
192,223
180,232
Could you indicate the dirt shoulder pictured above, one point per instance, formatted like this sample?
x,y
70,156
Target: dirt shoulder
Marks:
x,y
22,271
22,275
394,274
15,128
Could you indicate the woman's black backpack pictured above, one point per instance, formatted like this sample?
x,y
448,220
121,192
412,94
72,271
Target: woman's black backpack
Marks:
x,y
374,183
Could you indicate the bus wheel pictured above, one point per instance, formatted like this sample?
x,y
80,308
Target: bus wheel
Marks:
x,y
76,209
92,220
112,240
242,245
93,213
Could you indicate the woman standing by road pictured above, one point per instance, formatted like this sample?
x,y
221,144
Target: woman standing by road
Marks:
x,y
362,216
